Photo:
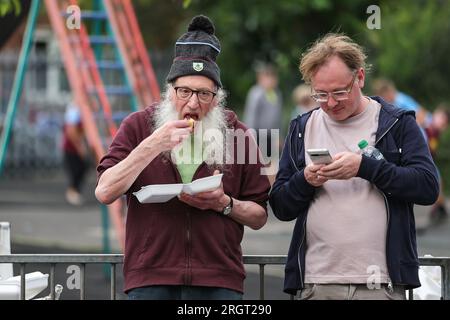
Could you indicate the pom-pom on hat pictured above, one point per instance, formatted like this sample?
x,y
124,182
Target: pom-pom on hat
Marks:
x,y
196,52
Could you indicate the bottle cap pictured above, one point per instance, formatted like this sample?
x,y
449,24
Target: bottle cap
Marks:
x,y
362,144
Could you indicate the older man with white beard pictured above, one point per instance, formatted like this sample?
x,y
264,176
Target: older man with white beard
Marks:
x,y
188,247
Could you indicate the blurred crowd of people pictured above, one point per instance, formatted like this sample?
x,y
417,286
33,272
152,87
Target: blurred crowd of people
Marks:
x,y
433,124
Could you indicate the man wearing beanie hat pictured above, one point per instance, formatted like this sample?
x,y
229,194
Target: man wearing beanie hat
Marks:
x,y
188,247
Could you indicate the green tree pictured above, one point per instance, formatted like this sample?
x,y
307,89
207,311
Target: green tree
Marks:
x,y
274,31
8,6
412,48
160,21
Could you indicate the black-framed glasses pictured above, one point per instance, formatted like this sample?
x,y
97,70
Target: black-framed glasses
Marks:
x,y
337,95
185,93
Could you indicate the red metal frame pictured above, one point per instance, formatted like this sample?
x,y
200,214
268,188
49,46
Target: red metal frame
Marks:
x,y
80,80
73,75
144,56
88,55
131,45
137,63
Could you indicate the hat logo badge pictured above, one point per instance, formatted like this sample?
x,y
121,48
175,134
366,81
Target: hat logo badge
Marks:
x,y
197,66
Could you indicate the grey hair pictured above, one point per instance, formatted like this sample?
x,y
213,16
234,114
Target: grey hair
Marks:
x,y
166,111
164,108
166,96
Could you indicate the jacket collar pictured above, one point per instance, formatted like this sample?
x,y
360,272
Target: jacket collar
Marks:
x,y
389,115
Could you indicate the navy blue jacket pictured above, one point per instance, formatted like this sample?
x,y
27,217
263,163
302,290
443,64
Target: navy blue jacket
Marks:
x,y
406,176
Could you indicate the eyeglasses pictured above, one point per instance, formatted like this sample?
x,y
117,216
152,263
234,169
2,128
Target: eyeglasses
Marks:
x,y
204,96
337,95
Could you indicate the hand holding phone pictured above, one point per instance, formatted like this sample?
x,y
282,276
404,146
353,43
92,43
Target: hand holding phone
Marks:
x,y
320,156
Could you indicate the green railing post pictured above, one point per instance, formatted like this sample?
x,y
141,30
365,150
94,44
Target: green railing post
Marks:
x,y
105,238
445,280
261,260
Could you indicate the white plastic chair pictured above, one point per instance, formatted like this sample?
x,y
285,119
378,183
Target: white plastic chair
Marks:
x,y
35,282
430,278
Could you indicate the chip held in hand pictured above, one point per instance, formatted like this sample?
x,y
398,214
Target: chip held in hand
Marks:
x,y
191,122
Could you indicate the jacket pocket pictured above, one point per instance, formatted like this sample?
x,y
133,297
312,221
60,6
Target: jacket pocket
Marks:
x,y
233,237
307,292
208,243
148,238
163,242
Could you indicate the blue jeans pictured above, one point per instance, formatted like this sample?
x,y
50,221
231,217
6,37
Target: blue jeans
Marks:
x,y
183,293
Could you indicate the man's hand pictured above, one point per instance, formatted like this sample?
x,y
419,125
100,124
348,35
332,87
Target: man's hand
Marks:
x,y
345,166
215,200
312,176
166,137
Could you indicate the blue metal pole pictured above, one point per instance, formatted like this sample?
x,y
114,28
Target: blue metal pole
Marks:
x,y
134,101
97,6
97,27
18,81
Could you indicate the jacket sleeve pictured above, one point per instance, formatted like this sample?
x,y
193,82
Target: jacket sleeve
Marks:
x,y
291,193
123,143
255,186
416,179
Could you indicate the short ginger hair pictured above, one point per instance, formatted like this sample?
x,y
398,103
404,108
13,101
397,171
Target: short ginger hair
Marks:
x,y
332,44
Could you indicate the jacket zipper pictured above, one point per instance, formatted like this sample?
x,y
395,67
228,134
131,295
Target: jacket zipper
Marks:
x,y
290,149
304,223
387,130
388,213
390,285
188,278
298,254
188,238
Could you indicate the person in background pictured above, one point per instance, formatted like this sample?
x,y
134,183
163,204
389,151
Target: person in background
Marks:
x,y
75,154
190,246
386,89
263,104
301,97
355,236
434,130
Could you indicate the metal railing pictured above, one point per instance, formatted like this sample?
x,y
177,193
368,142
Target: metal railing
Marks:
x,y
114,259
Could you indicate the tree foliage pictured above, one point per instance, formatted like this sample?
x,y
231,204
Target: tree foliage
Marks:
x,y
161,21
9,6
273,31
412,48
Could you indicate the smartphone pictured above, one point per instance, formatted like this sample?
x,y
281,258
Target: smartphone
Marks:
x,y
320,156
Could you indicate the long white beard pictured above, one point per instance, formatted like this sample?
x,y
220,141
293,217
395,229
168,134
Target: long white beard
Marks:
x,y
210,131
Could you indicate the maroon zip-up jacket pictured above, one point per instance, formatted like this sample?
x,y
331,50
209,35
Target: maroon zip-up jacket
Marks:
x,y
173,243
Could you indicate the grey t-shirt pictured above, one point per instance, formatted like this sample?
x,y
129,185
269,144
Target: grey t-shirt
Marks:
x,y
347,219
262,112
